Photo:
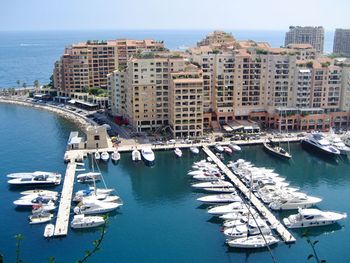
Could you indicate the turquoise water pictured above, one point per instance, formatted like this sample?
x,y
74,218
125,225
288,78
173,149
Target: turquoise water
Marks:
x,y
161,220
30,55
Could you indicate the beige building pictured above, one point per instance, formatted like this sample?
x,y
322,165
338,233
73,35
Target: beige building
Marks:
x,y
86,65
306,35
186,103
116,92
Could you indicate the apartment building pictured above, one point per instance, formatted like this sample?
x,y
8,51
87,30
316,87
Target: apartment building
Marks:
x,y
147,83
186,103
116,92
345,89
341,44
306,35
302,87
86,65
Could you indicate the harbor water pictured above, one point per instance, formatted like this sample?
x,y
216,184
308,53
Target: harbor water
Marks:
x,y
161,221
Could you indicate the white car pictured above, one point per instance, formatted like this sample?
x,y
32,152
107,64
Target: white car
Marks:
x,y
172,141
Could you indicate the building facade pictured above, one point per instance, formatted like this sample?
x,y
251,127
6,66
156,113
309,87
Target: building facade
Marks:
x,y
306,35
341,44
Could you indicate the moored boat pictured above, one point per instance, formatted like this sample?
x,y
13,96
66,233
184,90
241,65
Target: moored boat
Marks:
x,y
178,152
148,154
276,150
136,155
82,221
219,183
318,142
39,218
37,180
105,156
227,149
97,156
49,230
220,198
115,156
194,150
88,177
257,241
219,148
235,147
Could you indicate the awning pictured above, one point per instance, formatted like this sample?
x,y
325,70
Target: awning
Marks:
x,y
72,101
227,128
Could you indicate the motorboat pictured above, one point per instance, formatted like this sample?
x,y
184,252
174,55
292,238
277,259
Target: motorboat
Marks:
x,y
335,140
178,152
31,175
49,230
224,209
105,156
276,150
39,191
220,189
235,147
220,156
95,207
239,213
37,180
318,141
219,183
88,177
97,156
39,218
227,149
39,208
239,220
295,201
219,148
147,154
136,155
92,190
35,201
220,198
312,217
115,156
208,177
194,150
257,241
253,227
52,196
100,197
82,221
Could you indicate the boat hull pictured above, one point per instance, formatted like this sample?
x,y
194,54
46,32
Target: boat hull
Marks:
x,y
275,153
310,146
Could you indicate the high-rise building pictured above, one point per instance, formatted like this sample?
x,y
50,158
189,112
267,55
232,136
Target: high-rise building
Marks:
x,y
86,65
341,44
306,35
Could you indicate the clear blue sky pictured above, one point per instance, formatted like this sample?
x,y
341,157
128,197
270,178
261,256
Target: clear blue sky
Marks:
x,y
171,14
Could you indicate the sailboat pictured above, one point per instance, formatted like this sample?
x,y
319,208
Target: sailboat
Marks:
x,y
277,150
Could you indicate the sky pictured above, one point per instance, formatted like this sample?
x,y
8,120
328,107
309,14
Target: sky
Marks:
x,y
171,14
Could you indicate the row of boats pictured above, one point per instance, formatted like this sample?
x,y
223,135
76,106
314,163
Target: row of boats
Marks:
x,y
331,145
243,225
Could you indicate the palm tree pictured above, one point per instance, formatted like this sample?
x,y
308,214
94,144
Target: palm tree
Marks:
x,y
24,85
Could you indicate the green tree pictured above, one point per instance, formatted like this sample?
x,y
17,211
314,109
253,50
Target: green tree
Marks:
x,y
18,83
36,84
24,85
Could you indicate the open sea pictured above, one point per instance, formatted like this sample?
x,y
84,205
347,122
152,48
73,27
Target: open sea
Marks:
x,y
29,56
161,221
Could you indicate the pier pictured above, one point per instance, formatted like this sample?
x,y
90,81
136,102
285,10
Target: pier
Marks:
x,y
286,236
62,222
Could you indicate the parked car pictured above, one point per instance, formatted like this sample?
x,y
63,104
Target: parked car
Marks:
x,y
219,139
172,141
228,135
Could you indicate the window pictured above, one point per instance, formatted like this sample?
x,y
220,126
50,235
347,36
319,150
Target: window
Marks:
x,y
97,137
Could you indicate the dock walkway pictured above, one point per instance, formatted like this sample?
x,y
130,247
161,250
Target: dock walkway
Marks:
x,y
261,208
62,222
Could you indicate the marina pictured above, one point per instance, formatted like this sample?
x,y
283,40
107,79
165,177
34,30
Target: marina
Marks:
x,y
280,229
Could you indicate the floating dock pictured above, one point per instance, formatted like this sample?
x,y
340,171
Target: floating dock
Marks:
x,y
62,222
286,236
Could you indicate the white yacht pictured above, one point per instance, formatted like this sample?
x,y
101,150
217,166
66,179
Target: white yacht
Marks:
x,y
95,207
257,241
39,191
240,213
49,230
92,190
82,221
51,196
105,156
31,175
100,197
312,217
225,209
220,189
254,227
97,156
194,150
148,154
136,155
219,183
37,180
235,147
39,208
220,198
295,201
318,141
39,218
335,140
35,201
178,152
219,148
208,177
88,177
115,156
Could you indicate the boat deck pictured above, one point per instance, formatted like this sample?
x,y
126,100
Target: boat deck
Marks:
x,y
286,236
62,222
